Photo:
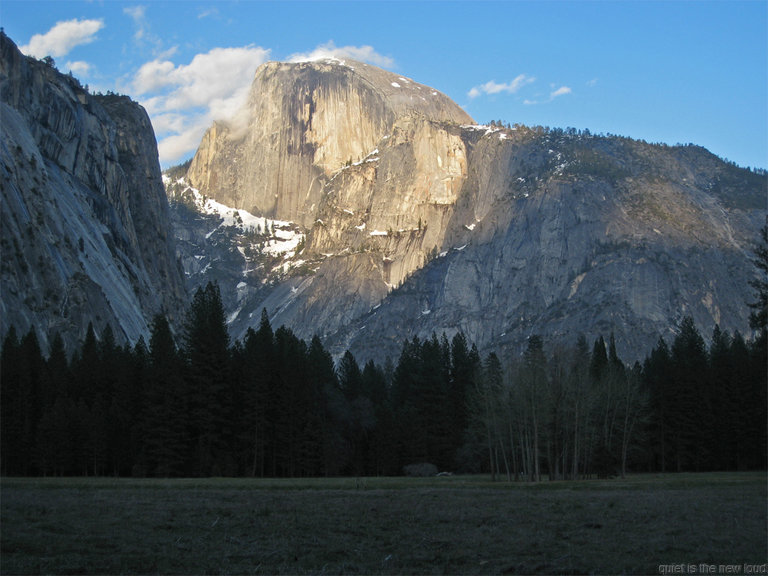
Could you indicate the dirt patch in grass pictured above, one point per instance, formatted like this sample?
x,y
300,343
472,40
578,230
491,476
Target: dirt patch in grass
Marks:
x,y
380,526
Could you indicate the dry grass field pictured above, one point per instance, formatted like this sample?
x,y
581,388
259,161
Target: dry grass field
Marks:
x,y
451,525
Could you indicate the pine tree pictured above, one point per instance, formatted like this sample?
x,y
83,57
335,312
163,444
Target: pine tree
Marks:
x,y
490,397
86,370
610,379
325,393
359,420
260,375
759,318
533,380
29,401
138,405
430,400
463,368
558,395
657,375
290,402
599,360
166,427
690,407
104,373
375,388
11,404
720,386
758,415
580,402
206,348
52,429
350,376
408,444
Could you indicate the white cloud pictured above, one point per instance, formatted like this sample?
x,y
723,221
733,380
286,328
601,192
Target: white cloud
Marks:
x,y
330,50
210,12
154,75
138,14
179,145
183,100
493,87
143,37
78,68
555,93
62,38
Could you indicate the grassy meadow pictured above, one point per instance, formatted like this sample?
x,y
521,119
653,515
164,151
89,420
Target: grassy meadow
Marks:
x,y
446,525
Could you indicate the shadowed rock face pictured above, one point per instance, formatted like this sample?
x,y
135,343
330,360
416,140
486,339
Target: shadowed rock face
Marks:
x,y
559,234
418,222
85,223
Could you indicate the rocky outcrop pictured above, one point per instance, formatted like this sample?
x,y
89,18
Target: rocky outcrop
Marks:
x,y
303,124
368,162
418,221
560,234
84,225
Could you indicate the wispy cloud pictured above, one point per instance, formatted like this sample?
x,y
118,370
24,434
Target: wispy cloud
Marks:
x,y
183,100
62,38
555,93
139,16
493,87
143,36
78,68
330,50
176,146
210,12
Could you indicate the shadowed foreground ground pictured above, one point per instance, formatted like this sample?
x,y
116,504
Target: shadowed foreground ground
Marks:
x,y
450,525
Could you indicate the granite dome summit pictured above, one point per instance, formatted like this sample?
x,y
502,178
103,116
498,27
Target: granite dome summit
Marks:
x,y
419,221
303,123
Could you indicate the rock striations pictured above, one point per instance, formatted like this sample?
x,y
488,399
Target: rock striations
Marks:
x,y
418,221
84,226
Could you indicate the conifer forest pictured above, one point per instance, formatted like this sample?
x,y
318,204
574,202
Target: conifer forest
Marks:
x,y
273,405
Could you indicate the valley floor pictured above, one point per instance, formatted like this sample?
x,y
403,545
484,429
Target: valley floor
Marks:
x,y
645,524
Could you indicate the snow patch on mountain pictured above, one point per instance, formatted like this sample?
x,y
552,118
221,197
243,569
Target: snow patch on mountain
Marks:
x,y
278,237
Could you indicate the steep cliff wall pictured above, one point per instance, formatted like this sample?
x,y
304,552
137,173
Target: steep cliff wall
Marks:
x,y
85,231
558,234
417,221
303,124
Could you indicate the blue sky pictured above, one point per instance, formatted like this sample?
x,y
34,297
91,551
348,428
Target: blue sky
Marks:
x,y
667,71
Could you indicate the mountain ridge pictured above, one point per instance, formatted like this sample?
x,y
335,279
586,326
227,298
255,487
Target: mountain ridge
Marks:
x,y
593,232
405,219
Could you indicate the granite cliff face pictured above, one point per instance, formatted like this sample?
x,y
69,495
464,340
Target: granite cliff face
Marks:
x,y
415,221
559,234
84,227
303,124
367,162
